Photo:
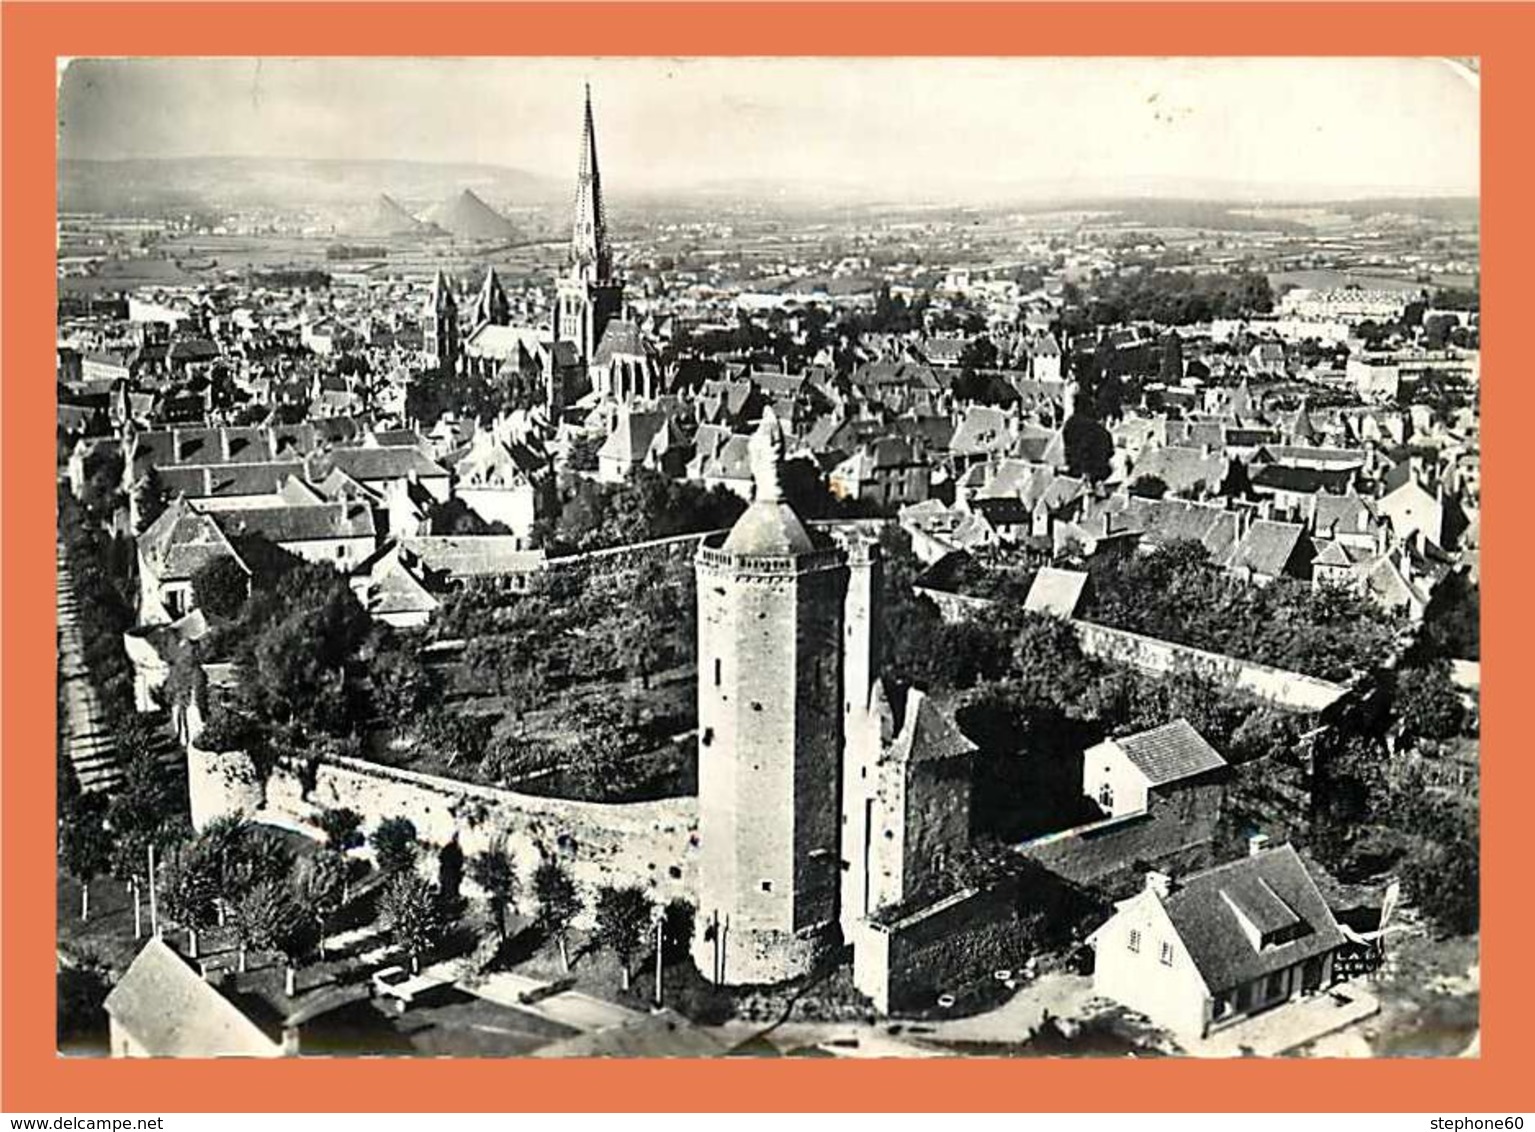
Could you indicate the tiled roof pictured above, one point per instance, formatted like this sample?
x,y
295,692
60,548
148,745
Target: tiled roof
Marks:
x,y
1170,753
1275,894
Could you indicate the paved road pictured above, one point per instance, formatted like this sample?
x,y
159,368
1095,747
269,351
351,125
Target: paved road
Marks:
x,y
569,1008
88,738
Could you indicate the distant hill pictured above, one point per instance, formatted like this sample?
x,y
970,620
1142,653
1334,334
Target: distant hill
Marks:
x,y
155,186
467,217
386,217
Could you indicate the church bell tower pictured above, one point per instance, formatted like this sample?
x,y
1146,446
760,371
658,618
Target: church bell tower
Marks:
x,y
589,296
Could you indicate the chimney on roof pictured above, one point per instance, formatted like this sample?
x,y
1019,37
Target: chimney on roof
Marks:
x,y
1257,843
1159,883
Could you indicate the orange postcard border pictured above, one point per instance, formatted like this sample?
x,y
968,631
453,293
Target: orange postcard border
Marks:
x,y
34,1079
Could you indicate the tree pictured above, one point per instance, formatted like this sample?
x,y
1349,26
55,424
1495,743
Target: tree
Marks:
x,y
581,456
1089,448
413,915
623,923
677,928
149,500
494,871
403,687
558,904
81,988
395,845
341,826
189,890
1149,487
1427,703
267,917
321,885
220,588
450,870
85,844
1444,880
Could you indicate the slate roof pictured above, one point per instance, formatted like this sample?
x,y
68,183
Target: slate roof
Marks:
x,y
1267,547
1283,477
927,734
364,464
171,1011
217,481
631,437
181,541
1056,592
1275,893
302,522
1181,468
619,337
1342,514
473,556
1170,753
1001,510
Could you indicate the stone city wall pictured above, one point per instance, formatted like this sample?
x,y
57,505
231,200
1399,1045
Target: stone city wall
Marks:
x,y
651,844
1293,690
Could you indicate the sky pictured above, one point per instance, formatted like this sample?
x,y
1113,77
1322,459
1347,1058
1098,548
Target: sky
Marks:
x,y
898,127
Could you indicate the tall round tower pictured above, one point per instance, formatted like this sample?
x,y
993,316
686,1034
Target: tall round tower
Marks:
x,y
770,606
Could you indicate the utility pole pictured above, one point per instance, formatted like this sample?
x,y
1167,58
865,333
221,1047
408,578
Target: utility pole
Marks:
x,y
658,915
154,919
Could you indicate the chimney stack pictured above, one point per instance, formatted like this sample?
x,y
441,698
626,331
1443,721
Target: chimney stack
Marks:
x,y
1257,843
1159,883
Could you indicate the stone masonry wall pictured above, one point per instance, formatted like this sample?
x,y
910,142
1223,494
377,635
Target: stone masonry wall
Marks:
x,y
1293,690
652,844
949,947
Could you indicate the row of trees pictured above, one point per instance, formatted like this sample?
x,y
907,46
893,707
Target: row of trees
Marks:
x,y
1177,594
1169,298
648,505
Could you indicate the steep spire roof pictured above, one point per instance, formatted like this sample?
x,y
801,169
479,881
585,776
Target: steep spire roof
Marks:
x,y
490,305
590,255
441,299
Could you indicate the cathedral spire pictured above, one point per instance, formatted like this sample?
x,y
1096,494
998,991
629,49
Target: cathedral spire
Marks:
x,y
491,307
590,256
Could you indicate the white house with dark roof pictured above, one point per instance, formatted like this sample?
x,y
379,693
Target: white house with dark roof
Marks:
x,y
1121,774
1213,948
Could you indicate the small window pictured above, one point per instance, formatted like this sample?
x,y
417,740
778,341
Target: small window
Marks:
x,y
1135,940
718,672
1106,796
1167,954
767,886
708,736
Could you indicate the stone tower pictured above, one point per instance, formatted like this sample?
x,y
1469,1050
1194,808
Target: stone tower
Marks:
x,y
770,708
440,327
589,297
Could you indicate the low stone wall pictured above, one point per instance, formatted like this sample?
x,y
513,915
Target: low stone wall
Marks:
x,y
652,844
950,947
1293,690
